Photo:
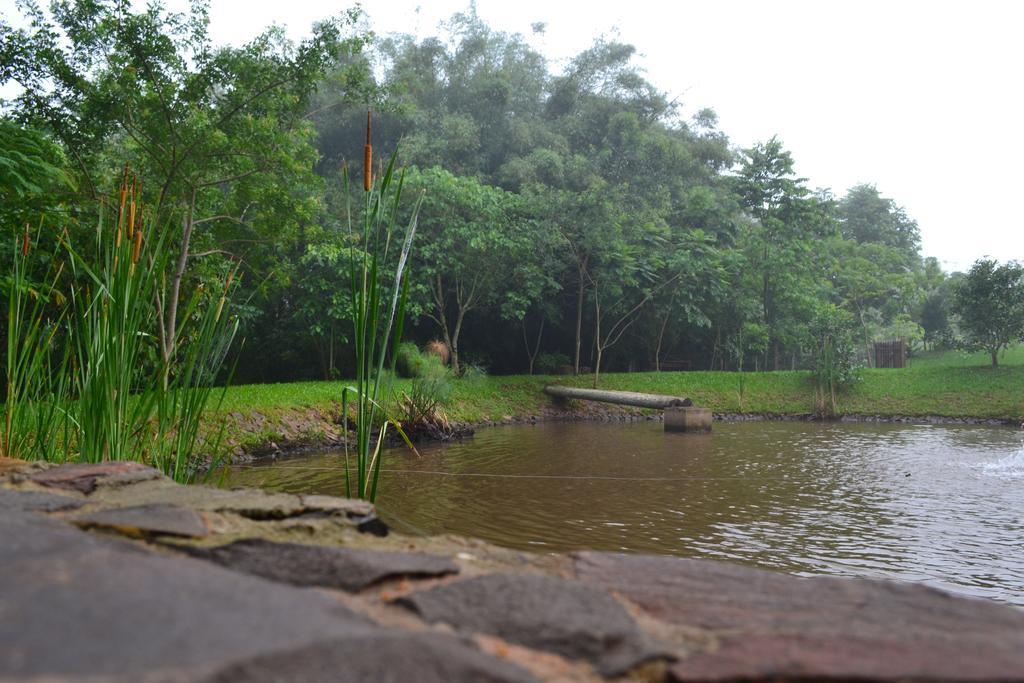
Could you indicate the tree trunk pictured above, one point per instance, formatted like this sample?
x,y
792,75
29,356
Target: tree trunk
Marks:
x,y
597,335
442,320
330,355
531,355
661,334
714,349
169,326
579,321
455,341
995,357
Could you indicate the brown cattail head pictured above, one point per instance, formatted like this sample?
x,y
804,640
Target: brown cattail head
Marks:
x,y
137,246
124,197
367,167
131,219
24,242
368,154
138,218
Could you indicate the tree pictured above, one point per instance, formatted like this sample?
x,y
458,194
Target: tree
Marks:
x,y
695,276
779,244
990,304
323,306
872,281
218,134
467,251
866,216
32,170
934,316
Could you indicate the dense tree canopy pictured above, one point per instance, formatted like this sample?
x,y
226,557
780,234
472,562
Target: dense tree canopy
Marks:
x,y
579,215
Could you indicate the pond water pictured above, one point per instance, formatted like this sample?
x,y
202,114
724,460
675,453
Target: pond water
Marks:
x,y
934,504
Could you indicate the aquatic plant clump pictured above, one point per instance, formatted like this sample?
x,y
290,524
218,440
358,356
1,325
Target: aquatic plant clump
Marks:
x,y
378,304
86,379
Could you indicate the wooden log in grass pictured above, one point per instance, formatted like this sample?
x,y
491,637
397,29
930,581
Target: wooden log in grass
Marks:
x,y
622,398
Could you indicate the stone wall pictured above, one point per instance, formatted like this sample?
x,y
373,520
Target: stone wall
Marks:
x,y
114,573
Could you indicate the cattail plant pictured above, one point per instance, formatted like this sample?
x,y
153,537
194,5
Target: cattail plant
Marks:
x,y
132,403
35,391
368,155
85,376
378,312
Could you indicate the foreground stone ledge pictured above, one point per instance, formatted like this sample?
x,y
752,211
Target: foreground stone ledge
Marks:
x,y
772,626
112,572
347,569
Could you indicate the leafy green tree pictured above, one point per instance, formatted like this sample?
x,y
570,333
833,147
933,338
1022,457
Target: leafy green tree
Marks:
x,y
218,134
780,244
468,250
990,304
323,306
865,216
695,278
934,316
870,280
32,172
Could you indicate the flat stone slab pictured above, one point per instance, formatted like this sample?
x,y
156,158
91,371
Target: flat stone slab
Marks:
x,y
349,569
38,501
76,606
393,657
249,503
159,519
85,477
773,626
544,613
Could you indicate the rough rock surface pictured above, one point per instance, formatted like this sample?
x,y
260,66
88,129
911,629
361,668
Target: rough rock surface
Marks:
x,y
39,501
75,605
158,519
391,657
348,569
541,612
84,478
771,626
99,582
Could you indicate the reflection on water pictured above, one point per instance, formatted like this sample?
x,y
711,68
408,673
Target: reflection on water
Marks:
x,y
940,505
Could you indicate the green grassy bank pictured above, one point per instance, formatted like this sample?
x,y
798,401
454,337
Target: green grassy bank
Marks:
x,y
950,384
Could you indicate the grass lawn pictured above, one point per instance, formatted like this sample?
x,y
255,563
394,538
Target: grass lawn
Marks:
x,y
950,384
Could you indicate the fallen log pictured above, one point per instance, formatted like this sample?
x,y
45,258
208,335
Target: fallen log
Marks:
x,y
622,398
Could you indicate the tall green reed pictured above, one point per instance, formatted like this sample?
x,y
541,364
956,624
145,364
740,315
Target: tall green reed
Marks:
x,y
35,414
103,386
378,311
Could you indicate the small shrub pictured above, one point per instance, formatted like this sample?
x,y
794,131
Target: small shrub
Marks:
x,y
833,352
549,363
411,363
408,360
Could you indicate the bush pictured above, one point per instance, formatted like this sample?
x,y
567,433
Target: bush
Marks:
x,y
408,360
549,363
831,340
426,400
411,363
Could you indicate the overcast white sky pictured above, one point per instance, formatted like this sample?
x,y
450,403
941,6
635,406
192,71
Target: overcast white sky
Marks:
x,y
923,99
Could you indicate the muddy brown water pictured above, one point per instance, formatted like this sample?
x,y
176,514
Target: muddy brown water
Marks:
x,y
940,505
